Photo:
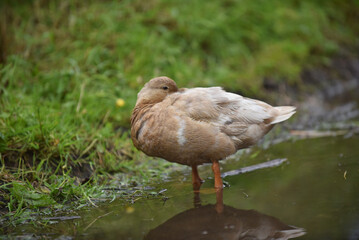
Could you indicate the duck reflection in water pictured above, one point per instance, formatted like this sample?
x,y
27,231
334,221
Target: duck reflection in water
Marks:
x,y
219,221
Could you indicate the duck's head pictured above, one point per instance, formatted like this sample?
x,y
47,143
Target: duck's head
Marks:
x,y
156,90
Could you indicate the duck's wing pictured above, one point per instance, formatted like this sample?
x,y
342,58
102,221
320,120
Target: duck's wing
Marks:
x,y
226,117
218,106
231,113
198,103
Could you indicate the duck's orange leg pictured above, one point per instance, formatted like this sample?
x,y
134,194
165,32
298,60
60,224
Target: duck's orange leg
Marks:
x,y
196,180
219,201
218,184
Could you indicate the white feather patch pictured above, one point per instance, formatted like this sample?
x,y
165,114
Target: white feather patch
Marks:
x,y
181,139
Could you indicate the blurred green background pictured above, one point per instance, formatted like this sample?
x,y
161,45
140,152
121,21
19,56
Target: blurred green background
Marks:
x,y
64,64
52,49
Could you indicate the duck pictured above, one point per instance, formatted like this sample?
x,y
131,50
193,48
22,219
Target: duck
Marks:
x,y
194,126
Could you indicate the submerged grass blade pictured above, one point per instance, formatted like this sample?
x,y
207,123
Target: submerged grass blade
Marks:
x,y
269,164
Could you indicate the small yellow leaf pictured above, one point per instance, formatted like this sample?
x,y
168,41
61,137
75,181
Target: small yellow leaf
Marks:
x,y
130,210
55,142
120,102
345,175
44,189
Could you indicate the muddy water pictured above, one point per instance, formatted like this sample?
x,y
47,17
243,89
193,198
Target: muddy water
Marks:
x,y
314,195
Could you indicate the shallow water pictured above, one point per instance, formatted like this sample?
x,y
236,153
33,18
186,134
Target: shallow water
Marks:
x,y
316,190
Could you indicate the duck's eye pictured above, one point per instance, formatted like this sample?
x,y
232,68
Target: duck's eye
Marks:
x,y
164,87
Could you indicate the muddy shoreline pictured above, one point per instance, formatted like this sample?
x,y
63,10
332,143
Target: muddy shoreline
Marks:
x,y
329,95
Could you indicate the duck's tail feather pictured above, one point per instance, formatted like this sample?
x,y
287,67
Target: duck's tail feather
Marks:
x,y
284,112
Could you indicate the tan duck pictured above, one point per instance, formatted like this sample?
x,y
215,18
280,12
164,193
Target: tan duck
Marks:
x,y
199,125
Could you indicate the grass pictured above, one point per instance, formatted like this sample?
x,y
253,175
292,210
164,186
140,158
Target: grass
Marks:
x,y
65,65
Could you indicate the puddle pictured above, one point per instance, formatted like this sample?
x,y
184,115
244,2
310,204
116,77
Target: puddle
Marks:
x,y
315,193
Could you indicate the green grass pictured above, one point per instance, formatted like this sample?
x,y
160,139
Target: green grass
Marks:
x,y
65,63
